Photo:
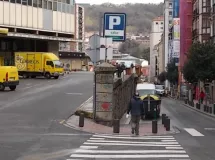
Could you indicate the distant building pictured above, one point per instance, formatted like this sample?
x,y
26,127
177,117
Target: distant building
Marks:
x,y
155,36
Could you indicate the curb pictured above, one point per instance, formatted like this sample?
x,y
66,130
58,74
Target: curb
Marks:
x,y
86,114
193,108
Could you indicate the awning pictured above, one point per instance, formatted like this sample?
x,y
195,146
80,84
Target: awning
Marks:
x,y
3,31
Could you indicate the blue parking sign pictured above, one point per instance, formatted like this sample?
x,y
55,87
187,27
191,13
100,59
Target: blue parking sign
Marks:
x,y
115,26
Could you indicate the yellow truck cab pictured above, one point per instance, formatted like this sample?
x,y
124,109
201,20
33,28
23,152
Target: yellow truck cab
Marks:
x,y
33,64
8,77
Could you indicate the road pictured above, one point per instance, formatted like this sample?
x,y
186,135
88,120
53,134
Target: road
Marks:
x,y
31,117
194,142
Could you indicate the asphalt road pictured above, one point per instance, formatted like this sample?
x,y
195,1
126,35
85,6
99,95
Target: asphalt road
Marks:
x,y
31,117
199,145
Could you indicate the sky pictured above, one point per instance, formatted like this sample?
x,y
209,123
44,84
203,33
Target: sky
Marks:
x,y
118,1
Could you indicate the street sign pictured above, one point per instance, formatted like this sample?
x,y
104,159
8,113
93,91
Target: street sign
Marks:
x,y
94,41
115,26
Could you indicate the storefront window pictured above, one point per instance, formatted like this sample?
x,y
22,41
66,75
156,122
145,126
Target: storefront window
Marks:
x,y
55,6
49,5
40,3
30,2
34,3
18,1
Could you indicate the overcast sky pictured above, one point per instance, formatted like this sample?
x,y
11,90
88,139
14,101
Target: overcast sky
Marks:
x,y
118,1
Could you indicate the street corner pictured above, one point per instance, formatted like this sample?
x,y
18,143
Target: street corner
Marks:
x,y
86,108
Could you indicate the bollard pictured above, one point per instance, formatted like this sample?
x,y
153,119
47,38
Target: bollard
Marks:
x,y
116,126
81,120
154,126
165,121
167,124
163,118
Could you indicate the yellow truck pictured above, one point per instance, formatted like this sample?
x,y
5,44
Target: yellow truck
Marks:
x,y
8,77
33,64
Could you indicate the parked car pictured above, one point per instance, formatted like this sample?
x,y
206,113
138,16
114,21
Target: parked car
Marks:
x,y
160,90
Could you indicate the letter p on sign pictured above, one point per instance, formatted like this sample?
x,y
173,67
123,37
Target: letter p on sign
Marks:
x,y
114,21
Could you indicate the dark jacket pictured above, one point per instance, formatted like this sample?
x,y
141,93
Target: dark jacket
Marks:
x,y
135,107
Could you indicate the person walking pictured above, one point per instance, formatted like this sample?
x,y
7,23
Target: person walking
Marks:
x,y
136,109
202,96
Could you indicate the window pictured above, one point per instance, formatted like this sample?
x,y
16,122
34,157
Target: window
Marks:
x,y
156,22
63,7
59,7
40,3
24,2
170,13
54,6
30,2
170,22
170,5
205,23
49,5
18,1
68,8
12,1
161,22
50,63
34,3
45,4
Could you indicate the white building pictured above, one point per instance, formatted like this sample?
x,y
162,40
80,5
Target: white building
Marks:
x,y
155,36
168,17
40,25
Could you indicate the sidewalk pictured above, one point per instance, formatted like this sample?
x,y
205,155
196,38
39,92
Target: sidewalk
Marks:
x,y
125,128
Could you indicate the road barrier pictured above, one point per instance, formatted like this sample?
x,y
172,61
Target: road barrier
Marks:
x,y
154,126
81,120
116,126
163,118
167,125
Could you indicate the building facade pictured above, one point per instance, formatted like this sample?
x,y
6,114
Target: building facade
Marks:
x,y
37,26
161,56
201,20
168,17
155,36
186,24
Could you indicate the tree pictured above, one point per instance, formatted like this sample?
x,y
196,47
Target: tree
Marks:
x,y
172,72
201,59
162,76
189,72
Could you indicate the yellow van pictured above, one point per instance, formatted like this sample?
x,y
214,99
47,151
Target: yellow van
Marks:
x,y
8,77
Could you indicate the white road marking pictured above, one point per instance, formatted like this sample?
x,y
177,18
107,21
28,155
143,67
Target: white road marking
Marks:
x,y
112,135
193,132
174,147
171,140
65,134
179,159
210,129
139,138
129,144
130,156
88,147
97,138
129,151
75,94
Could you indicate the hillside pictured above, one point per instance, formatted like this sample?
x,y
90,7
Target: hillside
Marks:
x,y
139,16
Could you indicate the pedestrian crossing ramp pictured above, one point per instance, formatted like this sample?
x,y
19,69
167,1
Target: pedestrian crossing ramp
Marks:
x,y
106,147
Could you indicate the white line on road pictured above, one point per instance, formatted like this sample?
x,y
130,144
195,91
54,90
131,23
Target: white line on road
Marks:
x,y
129,151
130,156
88,147
193,132
210,129
97,138
179,159
171,140
75,94
112,135
174,147
123,137
129,144
65,134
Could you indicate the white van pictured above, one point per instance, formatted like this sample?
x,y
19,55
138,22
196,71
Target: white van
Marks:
x,y
145,89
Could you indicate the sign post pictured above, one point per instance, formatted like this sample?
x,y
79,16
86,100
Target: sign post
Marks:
x,y
115,26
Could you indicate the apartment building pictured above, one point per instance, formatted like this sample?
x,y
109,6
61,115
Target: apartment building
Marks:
x,y
36,25
212,18
201,20
168,17
161,56
186,24
155,36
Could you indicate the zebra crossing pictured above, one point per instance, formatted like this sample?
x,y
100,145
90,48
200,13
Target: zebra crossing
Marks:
x,y
103,146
